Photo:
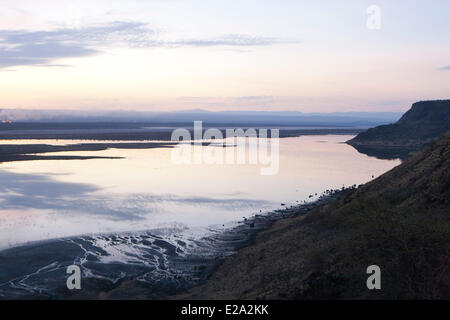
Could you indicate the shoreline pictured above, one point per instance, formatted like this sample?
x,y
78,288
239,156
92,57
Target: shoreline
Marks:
x,y
29,152
230,241
183,272
163,135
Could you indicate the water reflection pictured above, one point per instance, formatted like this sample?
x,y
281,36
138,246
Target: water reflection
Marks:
x,y
47,199
32,186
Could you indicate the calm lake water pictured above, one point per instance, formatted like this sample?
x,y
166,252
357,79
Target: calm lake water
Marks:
x,y
47,199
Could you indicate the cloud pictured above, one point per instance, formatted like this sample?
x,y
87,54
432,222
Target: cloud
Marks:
x,y
42,47
235,40
39,54
444,68
23,47
233,102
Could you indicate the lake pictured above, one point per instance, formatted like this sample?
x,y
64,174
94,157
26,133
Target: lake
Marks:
x,y
144,217
46,199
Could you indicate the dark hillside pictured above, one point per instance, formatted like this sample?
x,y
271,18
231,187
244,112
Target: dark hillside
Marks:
x,y
399,221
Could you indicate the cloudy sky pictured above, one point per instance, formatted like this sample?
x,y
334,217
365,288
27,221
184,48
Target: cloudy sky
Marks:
x,y
162,55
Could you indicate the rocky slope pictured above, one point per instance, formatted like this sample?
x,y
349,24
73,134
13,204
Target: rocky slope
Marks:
x,y
399,221
423,123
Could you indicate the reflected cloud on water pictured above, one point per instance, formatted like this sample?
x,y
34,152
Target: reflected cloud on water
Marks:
x,y
35,191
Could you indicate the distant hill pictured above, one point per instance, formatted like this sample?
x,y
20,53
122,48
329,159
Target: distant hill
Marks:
x,y
280,118
423,123
399,222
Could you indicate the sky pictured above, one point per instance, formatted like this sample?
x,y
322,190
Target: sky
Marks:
x,y
170,55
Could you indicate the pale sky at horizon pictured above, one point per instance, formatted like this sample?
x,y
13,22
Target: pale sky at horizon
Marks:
x,y
165,55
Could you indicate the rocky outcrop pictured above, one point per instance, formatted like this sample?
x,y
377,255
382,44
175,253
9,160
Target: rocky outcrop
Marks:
x,y
423,123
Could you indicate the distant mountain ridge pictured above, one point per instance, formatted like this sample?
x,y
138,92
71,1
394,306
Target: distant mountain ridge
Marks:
x,y
423,123
349,119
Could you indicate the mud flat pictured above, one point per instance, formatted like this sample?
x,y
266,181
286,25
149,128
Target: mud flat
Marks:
x,y
152,264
